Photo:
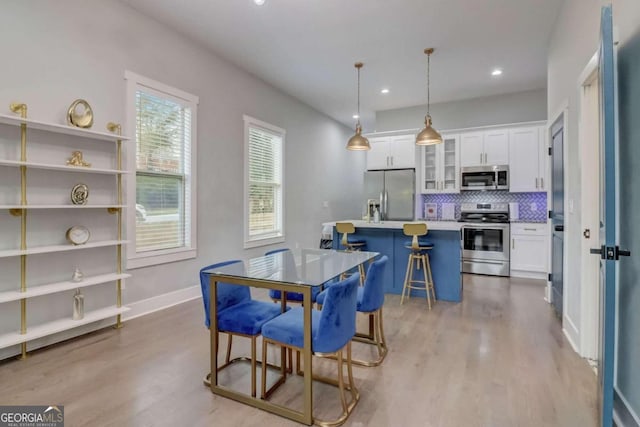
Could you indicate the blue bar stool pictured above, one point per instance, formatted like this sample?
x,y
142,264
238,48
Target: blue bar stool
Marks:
x,y
419,255
332,330
351,244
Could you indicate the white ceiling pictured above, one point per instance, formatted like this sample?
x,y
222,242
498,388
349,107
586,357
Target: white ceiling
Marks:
x,y
307,48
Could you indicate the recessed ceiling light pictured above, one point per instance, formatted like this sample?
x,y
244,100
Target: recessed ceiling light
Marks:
x,y
355,116
497,72
259,2
384,91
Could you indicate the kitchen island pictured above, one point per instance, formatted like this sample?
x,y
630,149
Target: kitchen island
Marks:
x,y
387,238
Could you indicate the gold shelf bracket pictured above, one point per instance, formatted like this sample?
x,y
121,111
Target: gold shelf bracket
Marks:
x,y
114,127
113,211
19,108
15,212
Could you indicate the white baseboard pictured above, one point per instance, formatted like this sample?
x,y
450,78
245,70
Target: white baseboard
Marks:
x,y
160,302
528,274
569,337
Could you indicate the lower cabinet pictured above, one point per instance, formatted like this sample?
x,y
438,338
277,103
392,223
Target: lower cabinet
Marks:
x,y
529,250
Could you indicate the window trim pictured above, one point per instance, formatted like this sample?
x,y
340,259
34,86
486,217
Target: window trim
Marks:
x,y
262,241
145,259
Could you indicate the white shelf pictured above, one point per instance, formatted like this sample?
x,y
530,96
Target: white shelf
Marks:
x,y
28,207
53,288
65,168
60,248
62,129
60,325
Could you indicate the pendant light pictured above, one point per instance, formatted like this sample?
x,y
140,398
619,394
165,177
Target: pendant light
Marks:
x,y
428,135
358,142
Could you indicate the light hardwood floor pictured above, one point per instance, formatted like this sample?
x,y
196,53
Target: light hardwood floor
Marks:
x,y
497,359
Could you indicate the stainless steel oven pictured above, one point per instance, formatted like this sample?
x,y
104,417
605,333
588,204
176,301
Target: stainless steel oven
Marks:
x,y
484,178
485,238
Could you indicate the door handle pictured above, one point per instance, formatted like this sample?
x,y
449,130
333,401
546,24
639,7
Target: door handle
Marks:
x,y
391,160
513,243
536,182
559,228
386,205
541,183
485,158
480,158
610,252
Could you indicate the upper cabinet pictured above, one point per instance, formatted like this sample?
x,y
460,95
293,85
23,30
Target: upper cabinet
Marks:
x,y
441,166
527,160
392,152
484,148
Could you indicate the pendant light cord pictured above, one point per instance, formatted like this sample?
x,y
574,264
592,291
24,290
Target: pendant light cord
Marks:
x,y
428,82
358,95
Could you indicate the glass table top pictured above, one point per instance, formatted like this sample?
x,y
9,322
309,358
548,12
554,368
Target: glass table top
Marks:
x,y
311,267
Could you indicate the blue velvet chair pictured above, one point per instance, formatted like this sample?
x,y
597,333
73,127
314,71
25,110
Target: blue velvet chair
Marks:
x,y
370,301
276,295
238,315
419,255
332,329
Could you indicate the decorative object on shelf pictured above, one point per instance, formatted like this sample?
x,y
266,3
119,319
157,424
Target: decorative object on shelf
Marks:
x,y
79,194
80,114
428,135
78,235
358,142
77,275
78,305
77,160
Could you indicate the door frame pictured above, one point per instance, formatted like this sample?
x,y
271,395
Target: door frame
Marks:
x,y
589,295
561,113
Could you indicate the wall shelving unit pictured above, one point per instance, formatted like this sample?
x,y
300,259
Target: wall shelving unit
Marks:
x,y
10,292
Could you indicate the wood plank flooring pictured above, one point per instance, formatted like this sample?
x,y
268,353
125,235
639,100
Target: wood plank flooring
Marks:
x,y
497,359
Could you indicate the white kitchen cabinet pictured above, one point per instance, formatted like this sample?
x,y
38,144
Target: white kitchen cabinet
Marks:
x,y
527,160
392,152
487,148
529,250
441,166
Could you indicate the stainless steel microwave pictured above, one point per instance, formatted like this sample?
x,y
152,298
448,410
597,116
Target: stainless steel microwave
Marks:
x,y
479,178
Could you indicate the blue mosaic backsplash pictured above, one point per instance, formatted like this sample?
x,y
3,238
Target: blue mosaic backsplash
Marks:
x,y
532,207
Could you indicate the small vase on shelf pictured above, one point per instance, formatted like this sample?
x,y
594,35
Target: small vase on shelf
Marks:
x,y
78,305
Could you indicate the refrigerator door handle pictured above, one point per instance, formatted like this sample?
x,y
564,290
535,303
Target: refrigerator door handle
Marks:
x,y
381,210
386,204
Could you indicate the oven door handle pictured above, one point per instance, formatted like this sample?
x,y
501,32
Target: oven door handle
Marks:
x,y
489,227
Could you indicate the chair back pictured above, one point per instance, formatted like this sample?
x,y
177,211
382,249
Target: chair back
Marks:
x,y
227,295
337,324
415,230
373,292
345,228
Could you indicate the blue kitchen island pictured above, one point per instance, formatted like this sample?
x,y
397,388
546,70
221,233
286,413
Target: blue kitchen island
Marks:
x,y
388,239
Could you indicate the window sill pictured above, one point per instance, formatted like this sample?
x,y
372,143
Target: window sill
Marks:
x,y
263,242
148,260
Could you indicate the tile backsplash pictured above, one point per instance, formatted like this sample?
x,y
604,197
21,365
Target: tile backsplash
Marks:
x,y
531,206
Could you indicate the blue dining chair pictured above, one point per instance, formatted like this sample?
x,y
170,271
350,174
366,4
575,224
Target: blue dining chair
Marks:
x,y
370,301
276,295
332,329
238,315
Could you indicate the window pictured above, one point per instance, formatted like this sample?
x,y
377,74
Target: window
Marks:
x,y
264,201
161,194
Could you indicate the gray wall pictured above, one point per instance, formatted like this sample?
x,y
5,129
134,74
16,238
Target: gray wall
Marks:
x,y
58,51
574,41
491,110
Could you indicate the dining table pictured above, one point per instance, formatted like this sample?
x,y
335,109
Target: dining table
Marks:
x,y
295,270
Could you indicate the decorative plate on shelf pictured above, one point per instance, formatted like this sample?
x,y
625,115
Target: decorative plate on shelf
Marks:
x,y
80,114
80,194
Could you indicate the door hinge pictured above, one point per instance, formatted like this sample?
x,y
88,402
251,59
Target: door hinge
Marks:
x,y
550,151
550,214
549,277
610,253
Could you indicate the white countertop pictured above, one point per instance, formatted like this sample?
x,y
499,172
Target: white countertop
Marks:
x,y
397,225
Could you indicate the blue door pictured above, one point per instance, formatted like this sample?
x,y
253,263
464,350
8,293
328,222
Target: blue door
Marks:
x,y
609,252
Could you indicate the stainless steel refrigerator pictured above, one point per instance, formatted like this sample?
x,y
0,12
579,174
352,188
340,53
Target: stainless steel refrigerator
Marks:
x,y
395,192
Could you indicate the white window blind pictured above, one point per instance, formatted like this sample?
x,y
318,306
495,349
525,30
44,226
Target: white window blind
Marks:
x,y
265,175
163,169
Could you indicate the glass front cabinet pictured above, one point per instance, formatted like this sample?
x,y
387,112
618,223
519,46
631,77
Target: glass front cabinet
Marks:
x,y
441,166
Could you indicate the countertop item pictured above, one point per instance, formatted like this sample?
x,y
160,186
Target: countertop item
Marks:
x,y
397,225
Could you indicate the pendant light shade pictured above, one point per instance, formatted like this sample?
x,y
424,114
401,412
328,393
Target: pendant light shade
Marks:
x,y
358,142
428,135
